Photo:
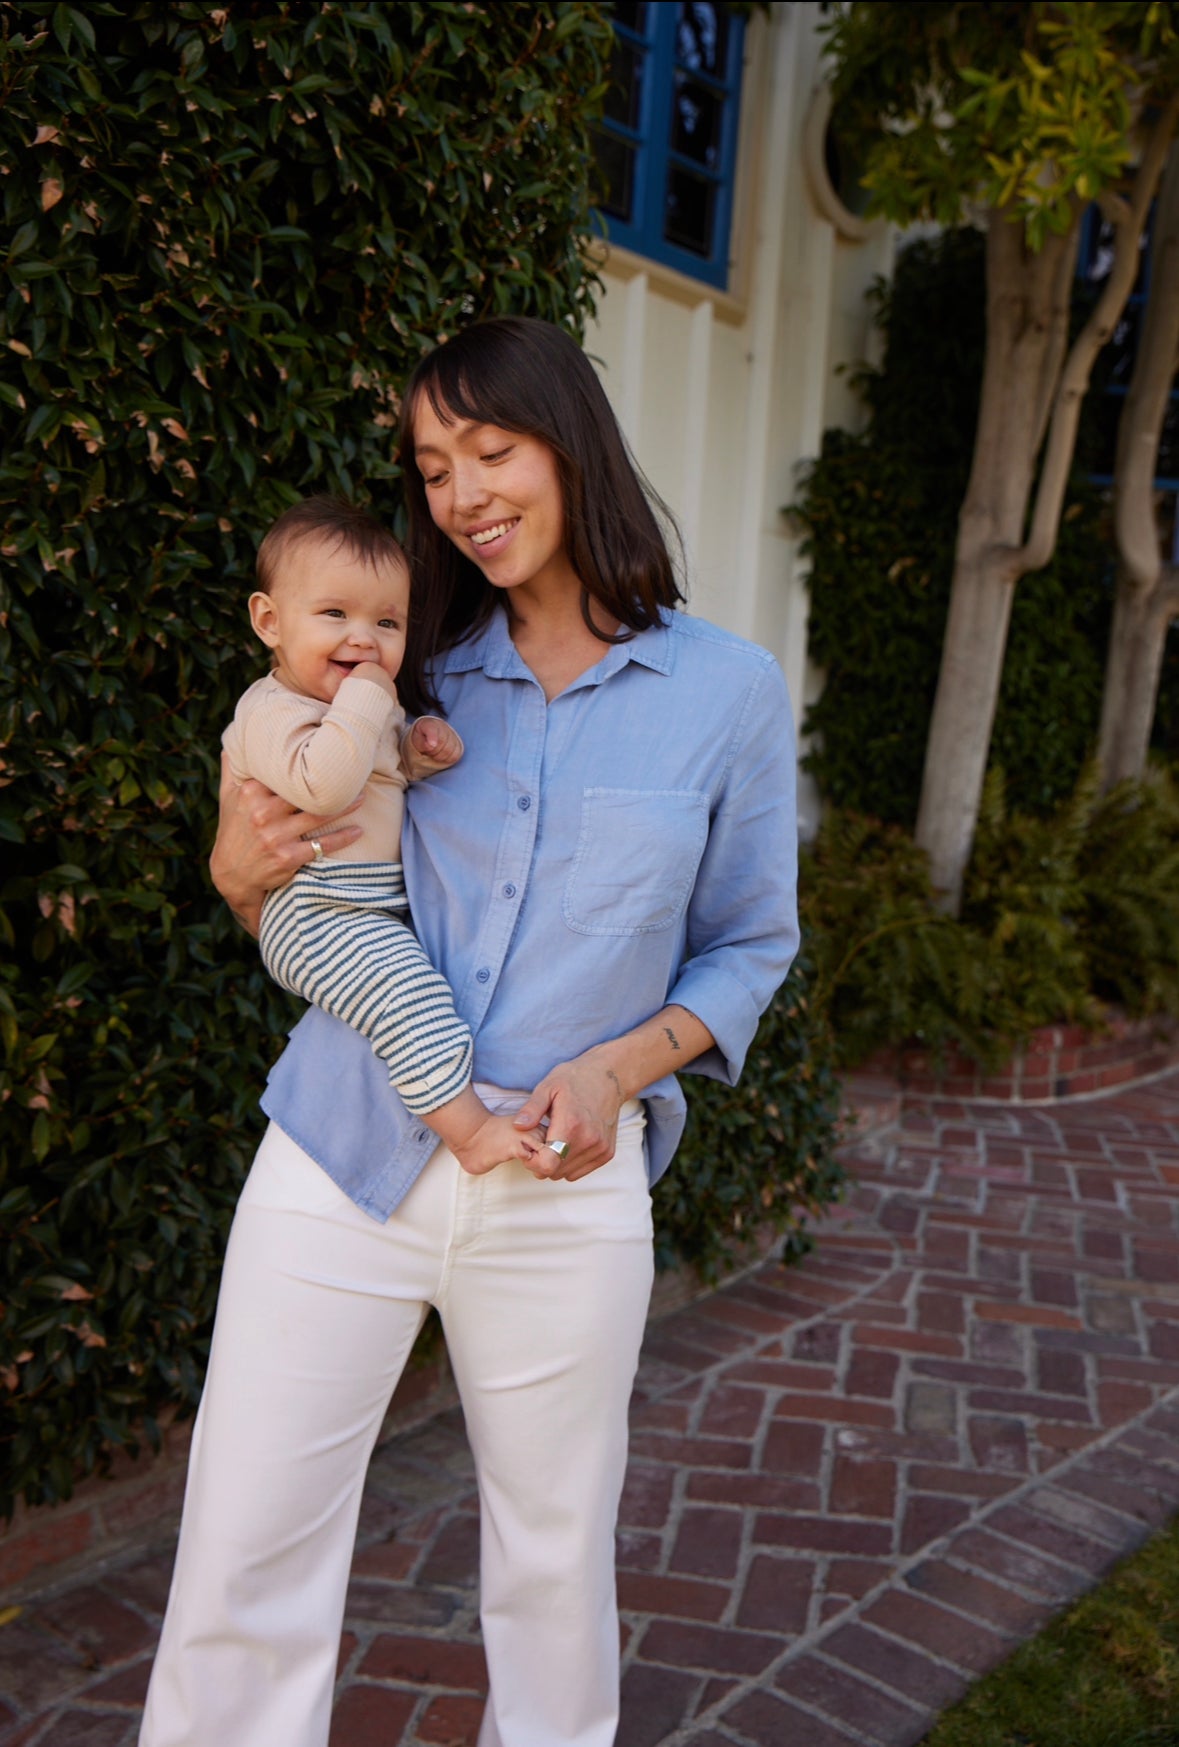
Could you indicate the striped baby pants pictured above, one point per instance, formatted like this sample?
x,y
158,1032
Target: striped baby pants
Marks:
x,y
337,936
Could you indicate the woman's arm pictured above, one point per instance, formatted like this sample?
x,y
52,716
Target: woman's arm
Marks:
x,y
261,841
581,1098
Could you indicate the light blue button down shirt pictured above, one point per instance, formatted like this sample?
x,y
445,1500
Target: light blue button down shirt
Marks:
x,y
589,860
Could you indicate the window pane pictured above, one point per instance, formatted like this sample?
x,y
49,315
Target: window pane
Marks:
x,y
616,160
625,97
1121,350
696,122
633,16
702,38
688,216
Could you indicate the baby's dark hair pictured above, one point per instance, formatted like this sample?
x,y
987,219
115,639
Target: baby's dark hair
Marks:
x,y
333,520
338,523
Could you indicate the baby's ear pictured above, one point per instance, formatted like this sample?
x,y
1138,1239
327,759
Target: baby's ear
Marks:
x,y
264,618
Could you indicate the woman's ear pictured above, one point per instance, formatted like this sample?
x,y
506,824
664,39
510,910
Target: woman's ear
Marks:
x,y
264,618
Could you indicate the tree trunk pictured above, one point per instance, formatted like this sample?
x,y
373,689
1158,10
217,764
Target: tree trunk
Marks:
x,y
1148,588
1026,379
1027,318
1136,642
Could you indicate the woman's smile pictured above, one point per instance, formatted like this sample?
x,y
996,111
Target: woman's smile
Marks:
x,y
496,494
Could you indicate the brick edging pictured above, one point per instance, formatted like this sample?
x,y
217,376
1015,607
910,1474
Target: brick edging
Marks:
x,y
1057,1062
960,1605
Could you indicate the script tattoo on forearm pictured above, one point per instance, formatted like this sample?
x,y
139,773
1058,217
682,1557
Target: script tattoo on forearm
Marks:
x,y
615,1081
671,1037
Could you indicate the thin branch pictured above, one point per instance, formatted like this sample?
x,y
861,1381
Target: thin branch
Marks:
x,y
1066,411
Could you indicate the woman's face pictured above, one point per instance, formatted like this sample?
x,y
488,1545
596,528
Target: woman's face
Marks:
x,y
497,495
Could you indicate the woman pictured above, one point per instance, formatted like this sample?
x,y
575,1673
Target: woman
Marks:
x,y
607,882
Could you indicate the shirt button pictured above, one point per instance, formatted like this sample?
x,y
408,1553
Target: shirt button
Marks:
x,y
523,802
482,976
509,890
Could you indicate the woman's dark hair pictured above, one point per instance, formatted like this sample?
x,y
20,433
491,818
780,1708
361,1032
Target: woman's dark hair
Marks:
x,y
531,376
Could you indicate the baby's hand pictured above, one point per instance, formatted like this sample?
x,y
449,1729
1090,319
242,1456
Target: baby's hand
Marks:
x,y
494,1142
373,671
436,740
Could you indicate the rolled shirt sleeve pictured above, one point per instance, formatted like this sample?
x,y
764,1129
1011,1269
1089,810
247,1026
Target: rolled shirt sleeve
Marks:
x,y
742,930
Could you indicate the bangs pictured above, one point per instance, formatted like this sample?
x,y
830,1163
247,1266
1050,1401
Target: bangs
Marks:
x,y
483,382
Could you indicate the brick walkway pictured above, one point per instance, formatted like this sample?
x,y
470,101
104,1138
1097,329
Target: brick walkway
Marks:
x,y
854,1485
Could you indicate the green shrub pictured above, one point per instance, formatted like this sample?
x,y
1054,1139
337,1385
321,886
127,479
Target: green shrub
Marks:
x,y
880,513
1060,915
231,232
759,1155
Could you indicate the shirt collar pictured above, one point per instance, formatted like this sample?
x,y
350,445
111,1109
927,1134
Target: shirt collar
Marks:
x,y
492,650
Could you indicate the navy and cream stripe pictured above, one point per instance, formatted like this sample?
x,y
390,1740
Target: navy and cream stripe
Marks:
x,y
333,936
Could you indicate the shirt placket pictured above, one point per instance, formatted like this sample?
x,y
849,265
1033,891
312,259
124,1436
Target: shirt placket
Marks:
x,y
517,841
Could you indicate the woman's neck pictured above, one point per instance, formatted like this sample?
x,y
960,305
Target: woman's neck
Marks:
x,y
553,640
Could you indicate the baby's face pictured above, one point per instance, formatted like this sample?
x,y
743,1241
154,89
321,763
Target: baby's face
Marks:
x,y
328,613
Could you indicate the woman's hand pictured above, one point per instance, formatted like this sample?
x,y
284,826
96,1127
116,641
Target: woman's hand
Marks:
x,y
581,1100
261,841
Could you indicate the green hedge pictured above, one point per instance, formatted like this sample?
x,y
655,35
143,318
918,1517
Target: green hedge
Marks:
x,y
232,231
880,512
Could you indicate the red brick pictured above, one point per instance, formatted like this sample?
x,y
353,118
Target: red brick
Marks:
x,y
708,1543
781,1374
1013,1401
872,1372
731,1412
1015,1564
1060,1373
1034,1316
715,1648
655,1702
41,1541
855,1577
646,1497
928,1517
906,1670
77,1729
830,1689
968,1593
777,1594
940,1313
94,1623
770,1722
1034,1531
1000,1443
793,1447
371,1716
679,1597
941,1477
393,1560
822,1534
448,1722
691,1452
863,1487
868,1334
765,1491
425,1662
1120,1401
963,1642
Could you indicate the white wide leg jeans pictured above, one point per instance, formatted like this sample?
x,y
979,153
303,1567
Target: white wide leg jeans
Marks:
x,y
543,1290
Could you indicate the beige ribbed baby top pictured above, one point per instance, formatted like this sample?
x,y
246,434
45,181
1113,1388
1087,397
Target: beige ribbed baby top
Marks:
x,y
319,756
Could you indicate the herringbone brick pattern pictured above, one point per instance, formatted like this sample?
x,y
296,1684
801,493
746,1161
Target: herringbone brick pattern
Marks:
x,y
854,1485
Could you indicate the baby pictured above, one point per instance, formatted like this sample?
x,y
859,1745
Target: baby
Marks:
x,y
323,727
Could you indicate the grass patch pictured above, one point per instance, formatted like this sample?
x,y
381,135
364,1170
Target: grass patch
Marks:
x,y
1105,1674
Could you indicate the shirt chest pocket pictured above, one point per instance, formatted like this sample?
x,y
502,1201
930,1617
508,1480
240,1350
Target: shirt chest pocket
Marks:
x,y
636,859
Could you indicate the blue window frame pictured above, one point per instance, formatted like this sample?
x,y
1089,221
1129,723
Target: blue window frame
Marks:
x,y
667,144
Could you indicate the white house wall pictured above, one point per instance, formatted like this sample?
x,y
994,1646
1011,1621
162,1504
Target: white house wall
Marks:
x,y
723,396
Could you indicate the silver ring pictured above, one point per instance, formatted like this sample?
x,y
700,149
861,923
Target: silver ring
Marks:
x,y
317,846
560,1147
